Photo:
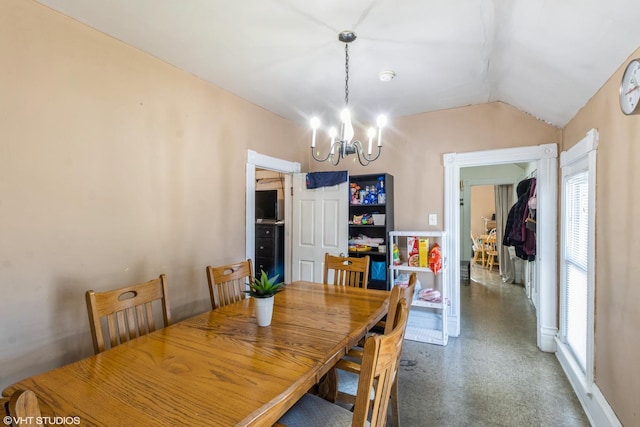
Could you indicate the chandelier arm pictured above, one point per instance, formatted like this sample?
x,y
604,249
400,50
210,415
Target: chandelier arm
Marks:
x,y
319,159
371,159
336,146
363,158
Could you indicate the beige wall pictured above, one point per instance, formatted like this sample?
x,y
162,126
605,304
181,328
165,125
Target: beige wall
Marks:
x,y
617,343
114,167
483,205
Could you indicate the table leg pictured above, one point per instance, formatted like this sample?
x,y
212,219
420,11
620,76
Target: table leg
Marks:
x,y
327,388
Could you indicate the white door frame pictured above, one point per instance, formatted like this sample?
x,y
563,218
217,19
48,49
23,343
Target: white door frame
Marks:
x,y
261,161
546,158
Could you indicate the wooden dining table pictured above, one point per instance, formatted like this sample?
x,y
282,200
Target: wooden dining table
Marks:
x,y
217,368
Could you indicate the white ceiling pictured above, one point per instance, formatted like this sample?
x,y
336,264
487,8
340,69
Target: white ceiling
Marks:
x,y
544,57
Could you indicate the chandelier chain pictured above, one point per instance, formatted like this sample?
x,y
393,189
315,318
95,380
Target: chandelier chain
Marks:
x,y
346,78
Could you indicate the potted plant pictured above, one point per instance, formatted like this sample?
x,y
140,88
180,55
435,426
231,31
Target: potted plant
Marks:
x,y
263,289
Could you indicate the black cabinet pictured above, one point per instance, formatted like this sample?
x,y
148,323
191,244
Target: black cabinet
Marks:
x,y
371,219
269,249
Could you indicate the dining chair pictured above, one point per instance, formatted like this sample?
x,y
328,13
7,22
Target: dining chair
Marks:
x,y
492,251
347,271
380,361
227,283
24,410
126,313
478,247
351,364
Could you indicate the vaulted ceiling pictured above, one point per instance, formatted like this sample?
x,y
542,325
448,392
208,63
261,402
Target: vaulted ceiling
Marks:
x,y
544,57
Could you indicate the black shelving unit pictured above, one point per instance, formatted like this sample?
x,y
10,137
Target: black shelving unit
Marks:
x,y
379,270
269,249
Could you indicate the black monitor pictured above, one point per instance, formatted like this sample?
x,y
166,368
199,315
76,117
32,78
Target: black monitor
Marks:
x,y
267,205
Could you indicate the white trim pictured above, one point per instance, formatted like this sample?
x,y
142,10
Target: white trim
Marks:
x,y
594,403
257,160
545,157
586,145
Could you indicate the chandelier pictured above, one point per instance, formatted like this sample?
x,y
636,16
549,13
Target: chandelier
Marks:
x,y
344,145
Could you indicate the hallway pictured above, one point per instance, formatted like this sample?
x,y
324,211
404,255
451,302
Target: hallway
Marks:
x,y
492,374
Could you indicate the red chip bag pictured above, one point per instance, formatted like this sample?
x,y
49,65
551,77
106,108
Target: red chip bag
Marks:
x,y
435,260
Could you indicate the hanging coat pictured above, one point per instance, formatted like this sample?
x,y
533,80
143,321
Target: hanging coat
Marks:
x,y
516,233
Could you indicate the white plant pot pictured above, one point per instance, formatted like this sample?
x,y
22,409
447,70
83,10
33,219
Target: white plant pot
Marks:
x,y
264,310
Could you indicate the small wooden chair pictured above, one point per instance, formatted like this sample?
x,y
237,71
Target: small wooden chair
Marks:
x,y
492,251
227,283
347,271
23,407
478,247
352,363
128,312
380,361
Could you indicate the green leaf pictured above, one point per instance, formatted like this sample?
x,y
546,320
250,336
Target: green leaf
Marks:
x,y
263,286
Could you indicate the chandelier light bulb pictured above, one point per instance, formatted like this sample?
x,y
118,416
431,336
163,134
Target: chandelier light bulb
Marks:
x,y
347,131
381,121
315,123
333,132
371,133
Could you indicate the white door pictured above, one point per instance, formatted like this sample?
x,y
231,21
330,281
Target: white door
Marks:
x,y
319,225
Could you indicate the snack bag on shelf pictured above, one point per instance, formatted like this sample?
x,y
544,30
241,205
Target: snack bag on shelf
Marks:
x,y
430,295
435,259
396,255
402,280
413,251
423,248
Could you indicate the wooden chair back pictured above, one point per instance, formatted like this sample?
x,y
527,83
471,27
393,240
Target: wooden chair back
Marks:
x,y
353,362
227,283
397,294
347,271
24,409
492,251
478,247
380,362
128,312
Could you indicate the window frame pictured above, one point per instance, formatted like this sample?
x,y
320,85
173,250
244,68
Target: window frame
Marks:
x,y
581,157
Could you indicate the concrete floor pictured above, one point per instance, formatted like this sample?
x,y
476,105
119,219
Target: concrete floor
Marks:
x,y
492,374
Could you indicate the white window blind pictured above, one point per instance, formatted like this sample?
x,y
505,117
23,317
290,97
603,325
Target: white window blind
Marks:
x,y
576,241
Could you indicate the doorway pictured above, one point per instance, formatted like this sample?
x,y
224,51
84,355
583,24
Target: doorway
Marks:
x,y
260,161
545,158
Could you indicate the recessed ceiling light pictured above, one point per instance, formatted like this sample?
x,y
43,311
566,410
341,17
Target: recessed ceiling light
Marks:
x,y
386,75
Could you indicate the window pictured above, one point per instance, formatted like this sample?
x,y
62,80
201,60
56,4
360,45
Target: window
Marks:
x,y
577,257
576,240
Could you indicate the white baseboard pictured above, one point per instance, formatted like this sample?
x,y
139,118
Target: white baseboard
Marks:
x,y
593,402
547,339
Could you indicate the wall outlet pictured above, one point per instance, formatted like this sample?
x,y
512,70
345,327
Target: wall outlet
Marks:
x,y
433,219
